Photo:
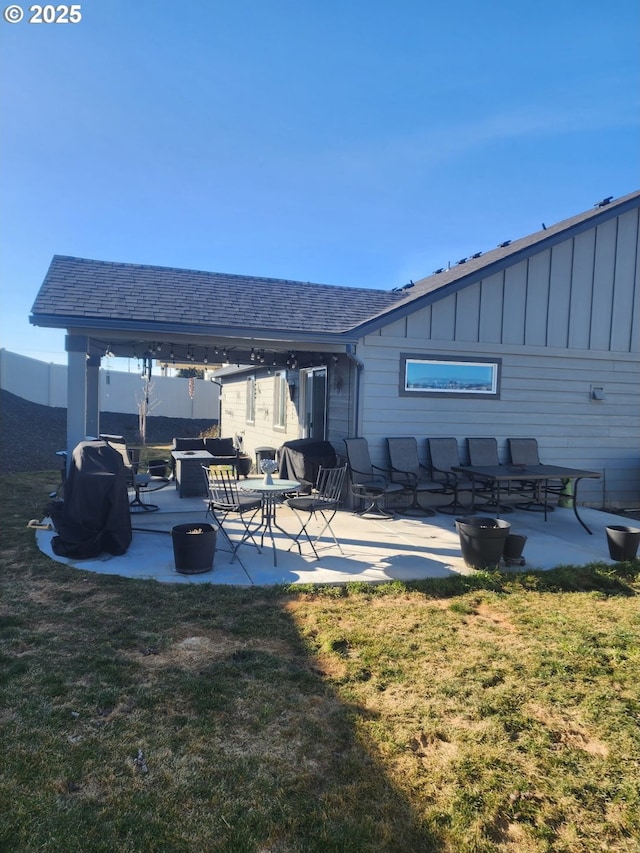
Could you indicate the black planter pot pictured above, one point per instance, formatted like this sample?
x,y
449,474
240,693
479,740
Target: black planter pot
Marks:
x,y
513,548
482,540
623,542
193,551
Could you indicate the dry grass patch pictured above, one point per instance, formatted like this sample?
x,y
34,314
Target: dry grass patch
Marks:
x,y
567,732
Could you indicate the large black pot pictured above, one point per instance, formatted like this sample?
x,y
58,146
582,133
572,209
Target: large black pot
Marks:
x,y
623,542
482,540
193,551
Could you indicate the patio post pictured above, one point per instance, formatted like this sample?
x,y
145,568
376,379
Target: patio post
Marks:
x,y
93,396
77,393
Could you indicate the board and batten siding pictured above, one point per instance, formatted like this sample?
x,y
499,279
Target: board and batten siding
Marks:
x,y
579,294
561,323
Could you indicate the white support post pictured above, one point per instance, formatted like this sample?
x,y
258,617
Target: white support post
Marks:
x,y
77,398
93,396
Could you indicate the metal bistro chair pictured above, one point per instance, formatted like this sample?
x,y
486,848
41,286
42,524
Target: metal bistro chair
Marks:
x,y
444,457
407,470
225,499
483,452
367,485
324,500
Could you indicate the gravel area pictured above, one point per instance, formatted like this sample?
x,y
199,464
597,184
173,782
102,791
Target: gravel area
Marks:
x,y
30,433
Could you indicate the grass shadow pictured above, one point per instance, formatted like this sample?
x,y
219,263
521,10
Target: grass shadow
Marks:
x,y
150,716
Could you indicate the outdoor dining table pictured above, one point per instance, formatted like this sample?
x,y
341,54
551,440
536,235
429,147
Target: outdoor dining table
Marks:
x,y
271,494
507,474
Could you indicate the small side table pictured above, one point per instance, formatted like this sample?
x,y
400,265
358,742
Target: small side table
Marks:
x,y
190,481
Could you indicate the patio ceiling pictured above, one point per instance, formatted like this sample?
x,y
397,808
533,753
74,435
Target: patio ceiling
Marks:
x,y
198,350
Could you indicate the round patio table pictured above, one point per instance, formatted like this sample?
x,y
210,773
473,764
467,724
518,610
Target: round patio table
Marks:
x,y
271,494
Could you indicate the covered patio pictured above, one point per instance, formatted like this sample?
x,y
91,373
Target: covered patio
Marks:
x,y
375,551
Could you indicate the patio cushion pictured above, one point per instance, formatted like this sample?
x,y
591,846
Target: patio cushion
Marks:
x,y
188,444
220,446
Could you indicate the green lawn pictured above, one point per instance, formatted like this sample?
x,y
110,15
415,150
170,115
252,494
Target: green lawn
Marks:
x,y
487,713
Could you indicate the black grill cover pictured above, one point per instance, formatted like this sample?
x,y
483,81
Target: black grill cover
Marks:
x,y
95,512
301,458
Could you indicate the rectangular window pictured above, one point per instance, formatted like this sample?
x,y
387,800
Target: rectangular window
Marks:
x,y
280,397
435,376
251,399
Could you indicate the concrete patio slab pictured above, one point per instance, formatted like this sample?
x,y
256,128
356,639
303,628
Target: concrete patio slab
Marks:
x,y
374,551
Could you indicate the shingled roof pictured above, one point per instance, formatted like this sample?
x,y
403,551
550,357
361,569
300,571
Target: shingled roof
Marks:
x,y
78,292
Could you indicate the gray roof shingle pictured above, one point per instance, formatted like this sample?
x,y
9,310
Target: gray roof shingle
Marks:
x,y
82,289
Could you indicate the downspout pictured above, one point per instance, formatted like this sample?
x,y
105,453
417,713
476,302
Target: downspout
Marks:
x,y
359,366
219,384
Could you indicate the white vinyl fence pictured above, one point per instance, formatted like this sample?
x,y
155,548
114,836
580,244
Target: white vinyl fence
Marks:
x,y
170,397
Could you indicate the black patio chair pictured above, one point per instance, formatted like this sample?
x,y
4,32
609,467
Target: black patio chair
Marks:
x,y
324,500
483,452
369,483
407,470
444,456
524,451
225,499
136,479
58,493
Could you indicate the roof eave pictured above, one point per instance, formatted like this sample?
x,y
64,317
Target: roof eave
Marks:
x,y
62,321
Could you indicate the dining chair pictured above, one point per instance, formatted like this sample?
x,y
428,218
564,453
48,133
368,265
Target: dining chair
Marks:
x,y
444,456
369,483
483,453
407,470
324,500
225,499
524,451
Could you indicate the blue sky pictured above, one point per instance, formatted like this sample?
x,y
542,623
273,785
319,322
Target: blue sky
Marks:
x,y
343,142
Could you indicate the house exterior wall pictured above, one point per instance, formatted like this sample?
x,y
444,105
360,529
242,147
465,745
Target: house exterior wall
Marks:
x,y
561,322
542,395
261,432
